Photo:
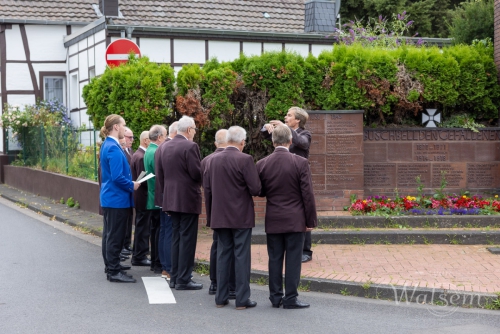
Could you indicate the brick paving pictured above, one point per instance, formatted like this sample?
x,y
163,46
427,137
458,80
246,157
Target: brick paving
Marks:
x,y
452,267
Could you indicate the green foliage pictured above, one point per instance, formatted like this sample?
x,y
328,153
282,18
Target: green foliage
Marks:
x,y
82,164
472,20
70,202
141,91
189,77
461,121
62,200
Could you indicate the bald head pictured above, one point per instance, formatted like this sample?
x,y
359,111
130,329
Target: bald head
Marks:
x,y
144,138
220,138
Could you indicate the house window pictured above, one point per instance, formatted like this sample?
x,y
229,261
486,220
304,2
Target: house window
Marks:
x,y
53,89
74,102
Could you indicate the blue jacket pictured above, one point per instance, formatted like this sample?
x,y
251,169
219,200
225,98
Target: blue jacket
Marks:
x,y
117,188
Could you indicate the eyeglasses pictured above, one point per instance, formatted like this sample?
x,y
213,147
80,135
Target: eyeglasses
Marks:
x,y
130,137
195,129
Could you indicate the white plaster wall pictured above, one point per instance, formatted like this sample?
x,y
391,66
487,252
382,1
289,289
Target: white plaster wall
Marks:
x,y
100,61
84,118
73,49
73,62
48,68
75,118
156,49
15,49
268,47
317,49
224,51
301,49
133,39
252,48
82,102
74,91
21,100
83,67
18,77
91,57
177,69
46,42
189,51
99,36
82,45
1,137
90,40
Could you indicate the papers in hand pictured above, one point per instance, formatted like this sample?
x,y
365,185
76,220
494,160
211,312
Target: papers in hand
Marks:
x,y
143,177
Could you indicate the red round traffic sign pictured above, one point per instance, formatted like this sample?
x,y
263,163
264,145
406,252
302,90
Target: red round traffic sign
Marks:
x,y
117,52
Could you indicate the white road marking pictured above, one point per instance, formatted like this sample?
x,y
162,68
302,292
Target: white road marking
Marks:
x,y
117,56
158,290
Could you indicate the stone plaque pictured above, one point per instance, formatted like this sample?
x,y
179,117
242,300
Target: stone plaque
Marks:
x,y
318,144
380,175
407,174
317,163
482,175
430,152
455,175
344,124
344,144
318,182
316,124
344,181
344,164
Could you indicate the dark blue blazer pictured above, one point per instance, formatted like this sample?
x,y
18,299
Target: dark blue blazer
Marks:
x,y
117,188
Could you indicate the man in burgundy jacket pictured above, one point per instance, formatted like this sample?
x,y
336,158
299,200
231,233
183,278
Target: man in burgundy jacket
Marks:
x,y
296,119
290,211
230,180
141,234
181,184
220,143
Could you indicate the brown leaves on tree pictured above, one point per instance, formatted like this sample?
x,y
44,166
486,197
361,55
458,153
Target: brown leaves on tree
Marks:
x,y
190,105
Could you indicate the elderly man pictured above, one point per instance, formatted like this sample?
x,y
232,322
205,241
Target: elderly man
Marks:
x,y
290,211
230,180
165,239
180,179
141,234
116,197
220,144
129,139
157,135
296,119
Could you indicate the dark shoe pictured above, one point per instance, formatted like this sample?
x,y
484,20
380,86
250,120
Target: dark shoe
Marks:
x,y
223,304
278,305
121,268
121,278
306,258
189,286
297,304
129,248
123,272
248,304
212,290
232,294
142,263
158,270
123,258
125,252
171,284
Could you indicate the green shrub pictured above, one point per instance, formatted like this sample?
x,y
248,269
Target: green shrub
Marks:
x,y
70,202
472,20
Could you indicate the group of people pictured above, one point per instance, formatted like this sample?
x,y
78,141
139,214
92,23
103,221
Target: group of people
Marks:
x,y
167,207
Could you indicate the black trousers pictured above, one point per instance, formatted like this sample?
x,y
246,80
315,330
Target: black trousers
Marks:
x,y
141,235
155,238
213,265
307,244
287,246
113,234
184,237
128,232
233,242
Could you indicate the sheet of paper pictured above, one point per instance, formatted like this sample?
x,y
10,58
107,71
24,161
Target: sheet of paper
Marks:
x,y
145,178
143,173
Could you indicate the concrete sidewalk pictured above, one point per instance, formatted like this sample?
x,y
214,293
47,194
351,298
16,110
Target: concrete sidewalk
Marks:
x,y
377,271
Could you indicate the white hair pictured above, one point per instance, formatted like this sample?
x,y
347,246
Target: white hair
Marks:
x,y
184,123
173,127
236,134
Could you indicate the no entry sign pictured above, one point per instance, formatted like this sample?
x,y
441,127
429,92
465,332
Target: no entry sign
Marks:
x,y
118,51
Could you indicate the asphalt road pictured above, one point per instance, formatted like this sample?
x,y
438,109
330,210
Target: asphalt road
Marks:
x,y
52,281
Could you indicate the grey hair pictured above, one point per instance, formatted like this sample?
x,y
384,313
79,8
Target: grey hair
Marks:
x,y
144,135
127,129
220,137
236,134
282,135
155,132
301,115
173,127
184,123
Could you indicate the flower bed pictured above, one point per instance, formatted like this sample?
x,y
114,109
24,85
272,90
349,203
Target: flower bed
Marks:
x,y
426,205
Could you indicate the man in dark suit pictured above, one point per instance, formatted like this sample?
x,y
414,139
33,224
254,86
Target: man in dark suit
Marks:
x,y
296,119
129,139
290,211
141,234
220,143
180,179
230,181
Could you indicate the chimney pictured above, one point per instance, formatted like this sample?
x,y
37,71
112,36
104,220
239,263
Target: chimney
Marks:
x,y
109,8
321,15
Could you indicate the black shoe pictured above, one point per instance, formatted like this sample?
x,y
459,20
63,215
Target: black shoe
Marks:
x,y
223,304
232,294
121,268
212,290
128,248
278,305
142,263
123,258
123,272
189,286
248,304
158,270
297,304
121,278
306,258
171,284
125,252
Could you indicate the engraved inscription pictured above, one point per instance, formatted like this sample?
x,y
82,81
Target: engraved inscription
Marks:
x,y
407,174
315,126
344,124
454,174
482,175
317,164
423,152
318,182
431,135
344,181
344,163
344,144
380,175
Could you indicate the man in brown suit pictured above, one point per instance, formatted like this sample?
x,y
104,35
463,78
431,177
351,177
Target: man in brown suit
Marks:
x,y
220,143
141,235
290,211
230,181
296,119
180,179
129,152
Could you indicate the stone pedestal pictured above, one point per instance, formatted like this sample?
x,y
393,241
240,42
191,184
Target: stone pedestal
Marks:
x,y
336,157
